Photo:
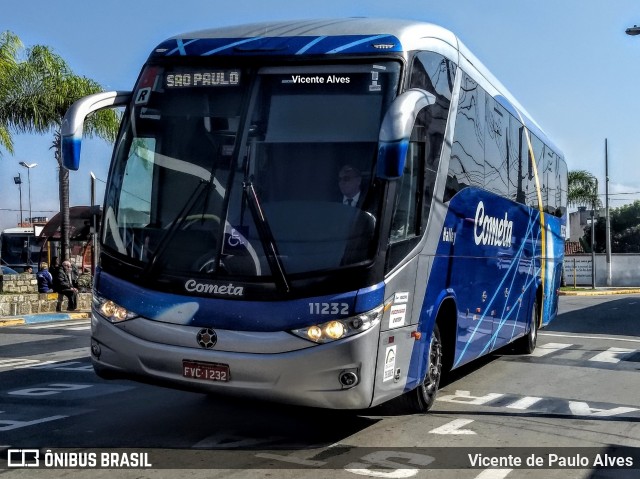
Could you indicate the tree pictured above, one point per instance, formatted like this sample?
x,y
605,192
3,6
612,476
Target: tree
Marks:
x,y
35,95
583,189
625,228
10,45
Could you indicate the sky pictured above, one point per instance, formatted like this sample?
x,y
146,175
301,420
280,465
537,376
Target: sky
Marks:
x,y
568,62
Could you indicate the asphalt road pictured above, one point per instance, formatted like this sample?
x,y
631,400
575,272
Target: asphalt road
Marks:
x,y
574,404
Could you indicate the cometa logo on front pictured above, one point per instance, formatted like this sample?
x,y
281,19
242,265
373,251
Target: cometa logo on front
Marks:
x,y
223,289
491,230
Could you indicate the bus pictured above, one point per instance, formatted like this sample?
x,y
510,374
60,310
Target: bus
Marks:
x,y
230,260
20,247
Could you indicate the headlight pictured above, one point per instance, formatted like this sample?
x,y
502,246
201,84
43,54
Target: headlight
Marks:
x,y
340,328
111,311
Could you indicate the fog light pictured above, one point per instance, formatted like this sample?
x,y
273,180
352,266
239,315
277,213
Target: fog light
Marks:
x,y
348,379
95,349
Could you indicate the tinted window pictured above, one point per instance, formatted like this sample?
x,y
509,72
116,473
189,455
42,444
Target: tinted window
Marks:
x,y
537,148
466,167
561,191
517,160
413,193
496,167
548,168
434,73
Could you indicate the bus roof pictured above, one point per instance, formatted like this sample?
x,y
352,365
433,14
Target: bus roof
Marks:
x,y
18,231
346,36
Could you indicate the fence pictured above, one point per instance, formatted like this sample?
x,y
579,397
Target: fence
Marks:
x,y
625,270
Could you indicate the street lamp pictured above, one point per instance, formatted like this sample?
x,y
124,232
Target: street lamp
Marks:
x,y
634,30
18,181
28,167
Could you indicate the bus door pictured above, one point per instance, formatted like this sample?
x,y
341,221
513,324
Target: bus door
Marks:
x,y
411,194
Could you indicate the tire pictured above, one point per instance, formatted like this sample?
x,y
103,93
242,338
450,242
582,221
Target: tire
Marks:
x,y
527,344
421,399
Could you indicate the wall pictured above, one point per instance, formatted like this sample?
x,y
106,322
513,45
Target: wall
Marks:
x,y
19,296
18,283
625,270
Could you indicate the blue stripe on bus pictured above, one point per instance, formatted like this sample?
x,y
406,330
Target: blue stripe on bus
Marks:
x,y
309,45
238,315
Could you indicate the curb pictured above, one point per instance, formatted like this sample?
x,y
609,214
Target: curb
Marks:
x,y
602,292
42,318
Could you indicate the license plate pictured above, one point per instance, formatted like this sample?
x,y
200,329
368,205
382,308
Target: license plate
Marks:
x,y
205,371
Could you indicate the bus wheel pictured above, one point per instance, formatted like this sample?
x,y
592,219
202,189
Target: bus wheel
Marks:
x,y
422,398
527,344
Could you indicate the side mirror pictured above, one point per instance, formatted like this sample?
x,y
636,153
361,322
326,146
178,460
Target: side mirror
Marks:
x,y
395,132
73,122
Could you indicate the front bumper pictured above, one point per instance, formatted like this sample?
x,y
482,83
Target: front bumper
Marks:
x,y
274,366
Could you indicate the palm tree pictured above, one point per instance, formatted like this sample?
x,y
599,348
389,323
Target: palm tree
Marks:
x,y
583,189
10,45
38,92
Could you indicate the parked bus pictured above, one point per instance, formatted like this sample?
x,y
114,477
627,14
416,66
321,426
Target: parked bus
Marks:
x,y
230,260
20,247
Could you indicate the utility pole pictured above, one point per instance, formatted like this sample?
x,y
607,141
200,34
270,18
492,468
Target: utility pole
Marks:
x,y
18,181
606,209
593,238
94,226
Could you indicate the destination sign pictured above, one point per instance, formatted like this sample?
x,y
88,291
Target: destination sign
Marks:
x,y
202,78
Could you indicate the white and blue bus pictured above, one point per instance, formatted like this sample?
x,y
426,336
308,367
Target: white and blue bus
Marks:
x,y
236,257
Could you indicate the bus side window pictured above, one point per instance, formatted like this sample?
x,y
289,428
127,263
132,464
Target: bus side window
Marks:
x,y
517,166
466,167
411,197
434,73
549,180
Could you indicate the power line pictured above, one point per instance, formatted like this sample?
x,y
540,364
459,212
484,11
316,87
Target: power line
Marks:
x,y
35,211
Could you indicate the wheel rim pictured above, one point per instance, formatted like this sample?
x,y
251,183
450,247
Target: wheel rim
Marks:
x,y
435,365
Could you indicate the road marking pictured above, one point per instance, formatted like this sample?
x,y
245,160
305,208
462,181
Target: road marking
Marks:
x,y
613,355
50,390
454,427
524,403
384,464
45,358
65,366
579,408
8,424
605,338
465,397
548,348
65,325
18,362
494,474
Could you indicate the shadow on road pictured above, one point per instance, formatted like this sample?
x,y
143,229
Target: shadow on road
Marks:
x,y
594,316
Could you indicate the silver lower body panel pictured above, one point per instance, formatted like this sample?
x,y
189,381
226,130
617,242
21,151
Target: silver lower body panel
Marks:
x,y
303,375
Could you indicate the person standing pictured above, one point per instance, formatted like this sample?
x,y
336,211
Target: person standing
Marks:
x,y
68,284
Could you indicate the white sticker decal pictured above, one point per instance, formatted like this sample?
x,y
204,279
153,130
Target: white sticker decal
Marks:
x,y
401,297
389,363
143,95
398,313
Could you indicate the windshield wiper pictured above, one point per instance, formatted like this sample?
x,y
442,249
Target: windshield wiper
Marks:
x,y
266,237
180,219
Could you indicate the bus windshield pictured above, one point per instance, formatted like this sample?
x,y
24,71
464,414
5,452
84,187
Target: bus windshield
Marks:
x,y
248,172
